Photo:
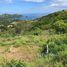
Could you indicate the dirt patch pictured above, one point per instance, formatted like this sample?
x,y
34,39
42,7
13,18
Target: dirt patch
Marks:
x,y
25,53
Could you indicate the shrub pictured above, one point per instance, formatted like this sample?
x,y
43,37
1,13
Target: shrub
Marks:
x,y
13,63
56,44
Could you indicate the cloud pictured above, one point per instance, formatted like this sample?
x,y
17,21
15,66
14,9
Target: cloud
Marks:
x,y
59,3
34,0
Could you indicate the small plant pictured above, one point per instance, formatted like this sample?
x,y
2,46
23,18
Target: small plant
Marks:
x,y
13,63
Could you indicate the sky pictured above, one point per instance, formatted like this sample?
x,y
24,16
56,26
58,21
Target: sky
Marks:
x,y
32,6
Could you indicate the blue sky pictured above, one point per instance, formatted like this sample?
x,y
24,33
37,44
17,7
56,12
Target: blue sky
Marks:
x,y
32,6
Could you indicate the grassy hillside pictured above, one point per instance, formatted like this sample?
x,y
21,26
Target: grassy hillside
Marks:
x,y
24,43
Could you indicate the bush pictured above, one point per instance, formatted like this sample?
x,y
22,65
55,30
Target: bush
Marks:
x,y
56,44
13,63
60,26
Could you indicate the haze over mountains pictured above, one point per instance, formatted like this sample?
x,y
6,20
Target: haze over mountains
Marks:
x,y
32,16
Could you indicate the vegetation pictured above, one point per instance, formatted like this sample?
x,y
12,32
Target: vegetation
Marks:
x,y
6,19
13,63
56,21
23,43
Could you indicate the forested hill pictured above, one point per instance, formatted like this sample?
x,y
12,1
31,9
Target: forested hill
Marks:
x,y
6,19
57,21
51,18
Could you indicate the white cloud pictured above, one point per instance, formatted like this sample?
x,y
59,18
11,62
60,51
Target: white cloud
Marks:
x,y
59,3
34,0
54,4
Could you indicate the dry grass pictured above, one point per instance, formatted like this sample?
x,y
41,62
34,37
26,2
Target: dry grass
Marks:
x,y
25,53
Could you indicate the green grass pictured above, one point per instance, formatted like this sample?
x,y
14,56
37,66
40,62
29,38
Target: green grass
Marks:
x,y
57,49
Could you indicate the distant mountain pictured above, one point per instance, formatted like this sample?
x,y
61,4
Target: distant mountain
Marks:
x,y
6,19
31,16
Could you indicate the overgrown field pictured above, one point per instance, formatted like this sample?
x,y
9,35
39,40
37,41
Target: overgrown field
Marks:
x,y
29,51
24,43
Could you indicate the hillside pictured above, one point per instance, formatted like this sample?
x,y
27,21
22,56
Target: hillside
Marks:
x,y
53,21
53,17
34,43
